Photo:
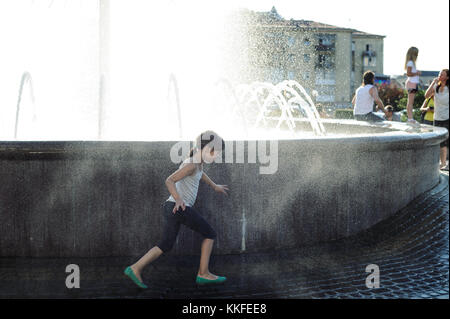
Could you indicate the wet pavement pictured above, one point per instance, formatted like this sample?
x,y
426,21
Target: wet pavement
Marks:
x,y
411,250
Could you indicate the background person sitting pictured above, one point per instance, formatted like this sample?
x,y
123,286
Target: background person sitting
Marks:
x,y
364,98
391,115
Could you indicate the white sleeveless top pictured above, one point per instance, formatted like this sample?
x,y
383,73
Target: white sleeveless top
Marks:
x,y
187,187
441,104
364,101
415,78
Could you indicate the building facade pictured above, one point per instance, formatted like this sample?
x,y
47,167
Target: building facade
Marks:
x,y
328,59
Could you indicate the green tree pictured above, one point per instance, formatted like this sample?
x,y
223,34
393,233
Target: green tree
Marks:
x,y
390,96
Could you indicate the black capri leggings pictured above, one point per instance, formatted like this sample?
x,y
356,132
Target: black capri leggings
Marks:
x,y
189,217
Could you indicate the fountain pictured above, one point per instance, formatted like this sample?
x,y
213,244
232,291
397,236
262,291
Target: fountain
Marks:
x,y
25,80
97,198
334,178
285,96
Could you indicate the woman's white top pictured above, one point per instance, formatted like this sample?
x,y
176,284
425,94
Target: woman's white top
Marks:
x,y
364,101
413,79
187,187
441,104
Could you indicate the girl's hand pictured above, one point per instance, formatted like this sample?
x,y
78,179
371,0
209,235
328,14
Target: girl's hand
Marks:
x,y
221,189
179,203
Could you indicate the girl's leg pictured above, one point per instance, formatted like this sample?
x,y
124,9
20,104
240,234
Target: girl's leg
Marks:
x,y
197,223
150,256
409,105
203,270
410,88
170,232
443,156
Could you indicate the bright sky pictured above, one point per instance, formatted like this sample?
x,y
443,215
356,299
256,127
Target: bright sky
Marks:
x,y
405,23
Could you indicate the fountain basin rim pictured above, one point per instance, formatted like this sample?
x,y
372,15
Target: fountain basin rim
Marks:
x,y
143,149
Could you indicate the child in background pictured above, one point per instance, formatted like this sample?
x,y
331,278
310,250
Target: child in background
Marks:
x,y
427,110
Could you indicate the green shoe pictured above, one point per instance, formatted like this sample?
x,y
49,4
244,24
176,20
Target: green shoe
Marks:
x,y
204,281
130,273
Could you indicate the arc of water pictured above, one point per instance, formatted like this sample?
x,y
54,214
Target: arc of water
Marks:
x,y
25,79
246,97
261,89
286,115
296,85
304,106
173,82
273,95
287,96
101,107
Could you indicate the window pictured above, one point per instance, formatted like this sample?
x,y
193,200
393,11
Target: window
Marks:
x,y
369,61
325,61
306,58
291,75
325,77
291,41
291,58
353,61
327,40
306,75
306,42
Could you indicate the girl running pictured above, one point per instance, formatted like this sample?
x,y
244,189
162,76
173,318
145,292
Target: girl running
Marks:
x,y
178,209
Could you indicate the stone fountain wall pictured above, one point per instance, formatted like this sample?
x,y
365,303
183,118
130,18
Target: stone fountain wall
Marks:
x,y
104,198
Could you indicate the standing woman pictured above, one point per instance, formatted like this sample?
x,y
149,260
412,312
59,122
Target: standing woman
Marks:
x,y
412,82
439,90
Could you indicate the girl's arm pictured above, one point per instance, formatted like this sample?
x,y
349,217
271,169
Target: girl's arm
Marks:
x,y
430,91
217,188
179,174
424,107
409,73
374,92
